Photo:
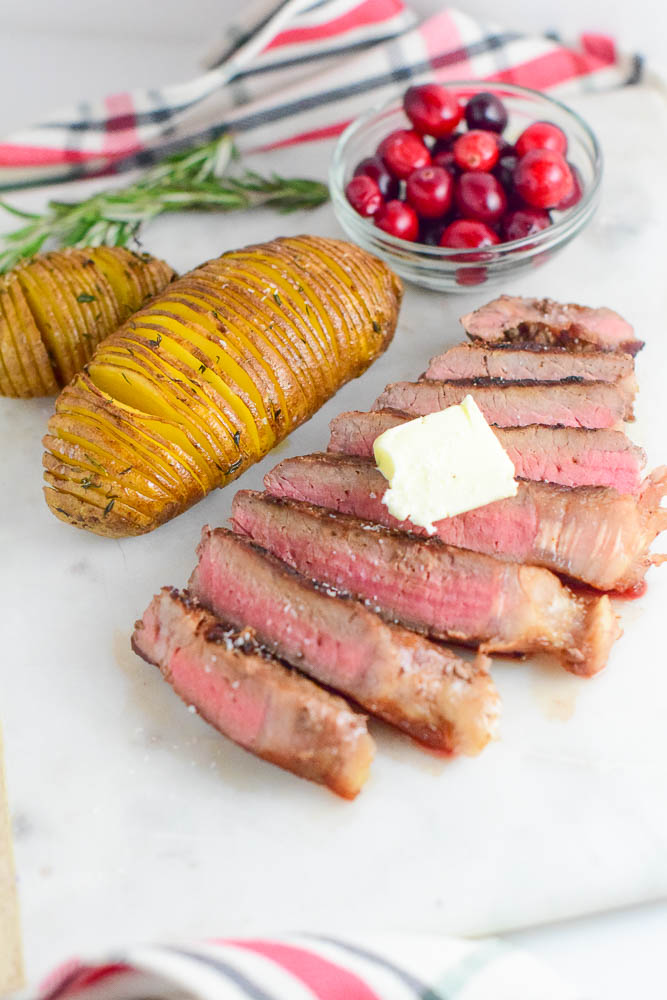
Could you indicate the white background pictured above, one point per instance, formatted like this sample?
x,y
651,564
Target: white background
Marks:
x,y
56,51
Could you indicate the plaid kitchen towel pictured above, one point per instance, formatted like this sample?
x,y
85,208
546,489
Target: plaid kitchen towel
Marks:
x,y
299,70
314,967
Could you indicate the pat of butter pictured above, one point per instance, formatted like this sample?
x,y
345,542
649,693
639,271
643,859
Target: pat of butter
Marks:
x,y
443,464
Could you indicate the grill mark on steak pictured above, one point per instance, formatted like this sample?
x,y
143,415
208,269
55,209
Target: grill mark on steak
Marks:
x,y
506,362
422,687
252,698
591,534
550,323
436,589
591,405
567,456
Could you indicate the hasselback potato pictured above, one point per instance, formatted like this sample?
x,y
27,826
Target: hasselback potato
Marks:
x,y
209,376
56,307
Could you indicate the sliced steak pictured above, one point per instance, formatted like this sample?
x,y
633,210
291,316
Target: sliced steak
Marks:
x,y
591,534
436,589
543,321
420,686
565,404
251,697
526,362
565,455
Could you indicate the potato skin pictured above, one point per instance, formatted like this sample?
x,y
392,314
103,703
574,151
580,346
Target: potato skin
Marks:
x,y
212,373
56,307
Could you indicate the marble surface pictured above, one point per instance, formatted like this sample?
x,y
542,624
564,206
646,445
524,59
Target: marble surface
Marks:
x,y
133,820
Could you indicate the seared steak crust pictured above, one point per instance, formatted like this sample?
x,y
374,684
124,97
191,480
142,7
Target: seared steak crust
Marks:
x,y
436,589
419,686
549,323
591,534
252,698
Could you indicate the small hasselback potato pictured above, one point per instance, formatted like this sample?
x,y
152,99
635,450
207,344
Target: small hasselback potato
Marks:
x,y
56,307
209,376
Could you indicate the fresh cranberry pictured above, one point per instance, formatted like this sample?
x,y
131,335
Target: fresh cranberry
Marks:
x,y
542,178
476,150
504,170
542,135
525,222
429,191
445,159
398,219
373,167
432,109
466,234
402,152
480,196
364,195
577,190
486,111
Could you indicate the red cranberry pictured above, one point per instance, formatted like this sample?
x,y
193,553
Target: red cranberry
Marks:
x,y
542,178
476,150
480,196
445,159
373,167
525,222
542,135
432,109
402,152
486,111
429,191
364,195
467,234
577,190
398,219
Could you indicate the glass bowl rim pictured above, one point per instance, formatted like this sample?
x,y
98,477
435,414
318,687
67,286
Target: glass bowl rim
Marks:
x,y
571,217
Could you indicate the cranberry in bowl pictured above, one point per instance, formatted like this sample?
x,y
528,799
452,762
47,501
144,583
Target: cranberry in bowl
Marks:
x,y
518,207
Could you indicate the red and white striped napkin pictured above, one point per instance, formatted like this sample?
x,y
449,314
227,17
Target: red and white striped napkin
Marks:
x,y
314,967
299,70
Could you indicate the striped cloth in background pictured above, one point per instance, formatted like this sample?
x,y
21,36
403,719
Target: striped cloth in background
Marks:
x,y
300,70
313,967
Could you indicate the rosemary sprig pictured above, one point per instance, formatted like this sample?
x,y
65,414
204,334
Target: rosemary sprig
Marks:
x,y
207,178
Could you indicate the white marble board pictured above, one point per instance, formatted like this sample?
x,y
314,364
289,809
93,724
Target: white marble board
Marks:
x,y
134,820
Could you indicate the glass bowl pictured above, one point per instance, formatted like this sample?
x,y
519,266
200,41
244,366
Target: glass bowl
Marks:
x,y
454,270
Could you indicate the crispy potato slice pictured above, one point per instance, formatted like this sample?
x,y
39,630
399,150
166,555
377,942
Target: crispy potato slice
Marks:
x,y
14,356
25,323
19,376
289,294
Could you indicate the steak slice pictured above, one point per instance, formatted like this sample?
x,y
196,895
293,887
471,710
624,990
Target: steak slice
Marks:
x,y
417,685
543,321
523,362
251,697
591,534
566,455
565,404
436,589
